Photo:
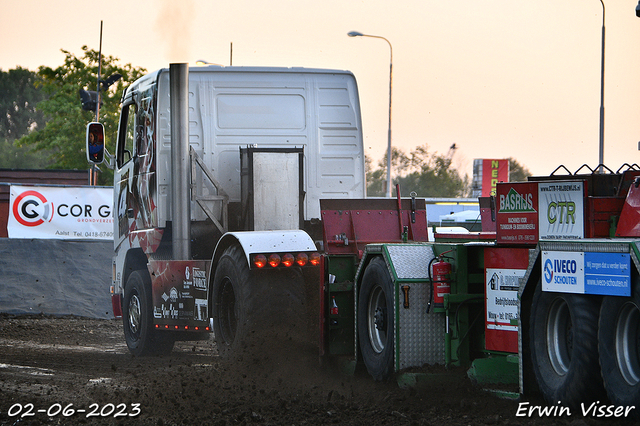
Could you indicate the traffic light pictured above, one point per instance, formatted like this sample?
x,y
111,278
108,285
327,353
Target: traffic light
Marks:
x,y
89,100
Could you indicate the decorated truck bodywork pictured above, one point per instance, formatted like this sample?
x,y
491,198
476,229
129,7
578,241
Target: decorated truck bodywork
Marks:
x,y
545,299
218,171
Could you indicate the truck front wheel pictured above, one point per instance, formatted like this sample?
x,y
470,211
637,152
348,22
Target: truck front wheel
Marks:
x,y
564,350
619,347
376,320
137,316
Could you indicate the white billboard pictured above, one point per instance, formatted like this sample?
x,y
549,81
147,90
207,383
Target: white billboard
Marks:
x,y
47,212
561,210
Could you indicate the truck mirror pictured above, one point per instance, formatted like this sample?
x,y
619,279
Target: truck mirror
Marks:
x,y
95,142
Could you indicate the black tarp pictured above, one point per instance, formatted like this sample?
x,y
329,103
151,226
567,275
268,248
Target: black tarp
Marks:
x,y
55,277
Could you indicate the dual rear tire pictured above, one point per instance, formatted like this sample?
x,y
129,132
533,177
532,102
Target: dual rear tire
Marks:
x,y
619,348
585,348
564,347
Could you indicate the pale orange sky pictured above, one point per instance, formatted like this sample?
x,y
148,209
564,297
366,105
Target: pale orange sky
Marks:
x,y
499,78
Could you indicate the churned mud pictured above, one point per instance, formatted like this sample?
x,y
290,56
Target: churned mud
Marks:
x,y
74,371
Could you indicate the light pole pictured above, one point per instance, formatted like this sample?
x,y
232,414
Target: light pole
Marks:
x,y
358,34
601,146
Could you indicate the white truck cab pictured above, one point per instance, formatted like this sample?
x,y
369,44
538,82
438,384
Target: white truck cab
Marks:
x,y
263,146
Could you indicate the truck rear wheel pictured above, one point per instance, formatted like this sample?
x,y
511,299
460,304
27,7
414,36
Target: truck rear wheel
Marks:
x,y
231,298
137,316
619,347
256,312
376,320
564,347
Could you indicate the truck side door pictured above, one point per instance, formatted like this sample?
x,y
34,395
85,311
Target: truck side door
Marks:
x,y
124,173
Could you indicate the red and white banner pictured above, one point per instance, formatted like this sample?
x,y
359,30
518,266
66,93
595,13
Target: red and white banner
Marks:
x,y
46,212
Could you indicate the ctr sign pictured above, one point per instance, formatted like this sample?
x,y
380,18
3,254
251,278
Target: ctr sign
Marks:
x,y
561,211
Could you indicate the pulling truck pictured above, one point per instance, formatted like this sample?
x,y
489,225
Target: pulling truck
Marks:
x,y
239,204
218,173
545,299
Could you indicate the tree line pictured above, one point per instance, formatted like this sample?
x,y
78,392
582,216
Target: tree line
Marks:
x,y
42,125
427,174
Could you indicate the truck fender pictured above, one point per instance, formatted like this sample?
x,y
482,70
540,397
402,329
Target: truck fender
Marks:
x,y
263,242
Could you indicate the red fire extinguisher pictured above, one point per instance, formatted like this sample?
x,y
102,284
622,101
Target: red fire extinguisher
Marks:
x,y
334,306
440,281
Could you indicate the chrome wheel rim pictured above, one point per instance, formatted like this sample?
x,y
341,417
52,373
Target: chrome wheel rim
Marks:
x,y
377,319
559,336
628,342
134,314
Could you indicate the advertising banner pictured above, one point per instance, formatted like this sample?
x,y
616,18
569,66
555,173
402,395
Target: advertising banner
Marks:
x,y
561,210
180,291
47,212
586,273
517,217
532,211
493,171
503,271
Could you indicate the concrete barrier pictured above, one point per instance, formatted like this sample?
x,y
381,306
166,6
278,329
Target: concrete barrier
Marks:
x,y
56,277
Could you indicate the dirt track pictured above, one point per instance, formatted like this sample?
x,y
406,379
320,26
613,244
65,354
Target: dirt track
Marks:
x,y
54,362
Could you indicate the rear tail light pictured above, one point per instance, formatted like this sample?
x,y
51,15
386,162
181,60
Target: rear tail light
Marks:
x,y
274,260
260,261
314,259
185,328
302,259
285,260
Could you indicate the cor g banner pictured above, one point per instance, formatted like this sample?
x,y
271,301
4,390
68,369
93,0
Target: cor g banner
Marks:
x,y
48,212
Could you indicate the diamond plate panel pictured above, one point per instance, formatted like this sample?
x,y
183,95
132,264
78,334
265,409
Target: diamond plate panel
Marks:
x,y
593,245
420,335
410,261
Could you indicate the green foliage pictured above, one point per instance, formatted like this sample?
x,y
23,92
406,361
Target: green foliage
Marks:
x,y
425,173
64,132
18,98
19,116
517,172
14,157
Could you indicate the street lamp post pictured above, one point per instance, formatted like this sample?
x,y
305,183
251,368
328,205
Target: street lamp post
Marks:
x,y
358,34
601,146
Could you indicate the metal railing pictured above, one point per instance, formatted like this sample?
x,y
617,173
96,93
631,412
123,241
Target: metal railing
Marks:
x,y
221,221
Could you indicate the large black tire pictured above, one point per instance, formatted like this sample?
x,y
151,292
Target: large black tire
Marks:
x,y
137,316
619,347
255,312
230,297
376,320
564,347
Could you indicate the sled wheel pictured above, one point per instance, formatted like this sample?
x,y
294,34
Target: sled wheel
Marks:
x,y
564,347
619,347
376,320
